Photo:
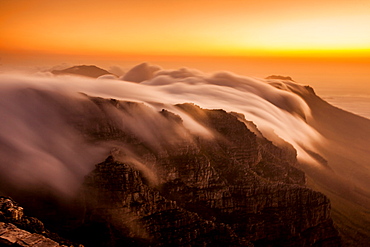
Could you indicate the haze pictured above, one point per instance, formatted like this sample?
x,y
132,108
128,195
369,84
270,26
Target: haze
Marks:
x,y
322,43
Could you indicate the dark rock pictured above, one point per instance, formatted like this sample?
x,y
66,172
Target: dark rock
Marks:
x,y
20,230
166,185
10,235
234,189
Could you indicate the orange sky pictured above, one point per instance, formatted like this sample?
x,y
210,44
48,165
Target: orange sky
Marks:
x,y
194,27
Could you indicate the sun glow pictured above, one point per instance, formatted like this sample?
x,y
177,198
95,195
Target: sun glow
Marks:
x,y
322,35
235,28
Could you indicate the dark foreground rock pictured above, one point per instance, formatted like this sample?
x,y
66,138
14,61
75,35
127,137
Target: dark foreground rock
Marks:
x,y
17,229
10,235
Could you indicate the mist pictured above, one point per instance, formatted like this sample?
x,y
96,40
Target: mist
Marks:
x,y
41,145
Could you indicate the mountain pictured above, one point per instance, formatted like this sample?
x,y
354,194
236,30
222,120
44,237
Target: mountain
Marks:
x,y
185,157
232,189
344,176
84,70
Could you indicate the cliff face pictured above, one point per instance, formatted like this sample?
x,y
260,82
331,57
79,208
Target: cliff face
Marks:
x,y
231,187
184,176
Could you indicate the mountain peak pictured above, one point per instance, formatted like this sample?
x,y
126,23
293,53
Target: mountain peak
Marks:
x,y
84,70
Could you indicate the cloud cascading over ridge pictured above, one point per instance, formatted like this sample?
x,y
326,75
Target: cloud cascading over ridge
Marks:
x,y
39,145
38,140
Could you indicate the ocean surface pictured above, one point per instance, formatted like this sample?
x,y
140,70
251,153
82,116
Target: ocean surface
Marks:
x,y
359,105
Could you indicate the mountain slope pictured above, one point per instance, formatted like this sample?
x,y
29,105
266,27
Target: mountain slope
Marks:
x,y
346,150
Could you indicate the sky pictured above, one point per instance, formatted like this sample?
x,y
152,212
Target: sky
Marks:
x,y
322,43
331,28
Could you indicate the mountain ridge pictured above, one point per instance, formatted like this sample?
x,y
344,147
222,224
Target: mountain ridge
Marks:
x,y
211,179
331,144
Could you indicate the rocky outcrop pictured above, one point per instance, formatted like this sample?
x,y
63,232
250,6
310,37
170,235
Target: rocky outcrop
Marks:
x,y
234,189
10,235
120,199
17,229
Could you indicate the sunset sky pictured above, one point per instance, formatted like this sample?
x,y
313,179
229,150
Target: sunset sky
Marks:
x,y
323,28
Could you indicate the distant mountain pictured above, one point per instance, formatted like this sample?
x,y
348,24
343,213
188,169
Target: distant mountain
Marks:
x,y
280,77
84,70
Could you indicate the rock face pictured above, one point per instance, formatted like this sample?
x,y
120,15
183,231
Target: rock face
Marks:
x,y
16,229
185,176
10,235
232,188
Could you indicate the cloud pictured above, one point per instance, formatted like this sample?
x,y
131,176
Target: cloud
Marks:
x,y
44,121
141,72
40,146
108,77
116,70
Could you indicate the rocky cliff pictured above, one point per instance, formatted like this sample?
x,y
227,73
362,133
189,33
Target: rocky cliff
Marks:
x,y
183,176
231,187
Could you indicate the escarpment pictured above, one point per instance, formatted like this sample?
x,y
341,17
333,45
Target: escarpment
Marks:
x,y
183,176
174,187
